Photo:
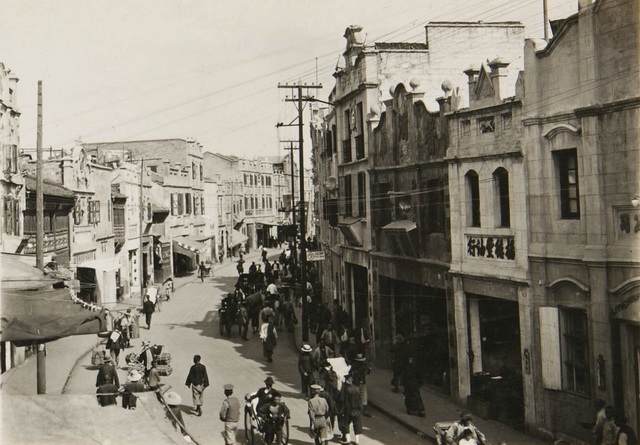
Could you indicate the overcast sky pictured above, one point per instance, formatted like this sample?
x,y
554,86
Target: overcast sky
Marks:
x,y
131,70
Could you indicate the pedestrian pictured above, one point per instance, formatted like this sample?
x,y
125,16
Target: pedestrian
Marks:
x,y
329,393
147,309
601,417
269,337
133,385
114,344
361,334
400,359
609,428
351,411
173,401
146,357
202,270
230,415
305,368
318,416
244,319
168,288
330,337
412,381
288,313
124,326
107,394
153,378
107,374
240,266
197,380
626,435
274,413
343,335
360,370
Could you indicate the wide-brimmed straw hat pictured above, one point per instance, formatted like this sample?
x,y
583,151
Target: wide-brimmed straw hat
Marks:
x,y
172,398
306,348
134,376
360,358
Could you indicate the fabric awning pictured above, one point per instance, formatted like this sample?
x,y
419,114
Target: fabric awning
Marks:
x,y
402,224
30,316
18,275
346,226
238,237
104,264
187,246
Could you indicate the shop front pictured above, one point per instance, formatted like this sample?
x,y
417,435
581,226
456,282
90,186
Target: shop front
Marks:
x,y
161,258
98,281
187,252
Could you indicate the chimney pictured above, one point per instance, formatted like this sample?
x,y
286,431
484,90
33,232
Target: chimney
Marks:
x,y
499,76
472,75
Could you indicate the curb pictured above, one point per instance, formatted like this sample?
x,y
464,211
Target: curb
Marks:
x,y
418,432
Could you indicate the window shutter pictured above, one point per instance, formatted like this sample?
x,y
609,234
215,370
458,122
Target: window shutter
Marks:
x,y
550,348
16,217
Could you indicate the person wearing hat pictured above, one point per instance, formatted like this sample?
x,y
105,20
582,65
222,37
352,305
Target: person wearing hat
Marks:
x,y
360,369
400,356
146,357
351,410
148,308
173,401
455,431
230,415
153,379
134,384
264,395
305,368
197,380
274,413
107,374
318,416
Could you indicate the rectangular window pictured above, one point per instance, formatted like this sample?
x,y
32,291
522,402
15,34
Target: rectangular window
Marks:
x,y
188,202
346,150
362,194
174,204
435,220
359,146
193,170
202,205
486,124
90,210
359,118
180,203
465,127
575,350
96,211
348,196
328,143
569,192
506,121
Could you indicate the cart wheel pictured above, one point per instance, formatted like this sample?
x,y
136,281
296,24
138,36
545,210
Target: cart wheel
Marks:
x,y
285,432
248,427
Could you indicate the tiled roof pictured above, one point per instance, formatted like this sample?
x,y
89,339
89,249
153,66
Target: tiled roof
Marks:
x,y
48,188
401,45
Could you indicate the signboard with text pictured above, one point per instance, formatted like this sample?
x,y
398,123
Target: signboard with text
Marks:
x,y
315,255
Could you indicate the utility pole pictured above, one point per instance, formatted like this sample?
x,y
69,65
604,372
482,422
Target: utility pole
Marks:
x,y
42,352
303,235
545,18
293,197
141,222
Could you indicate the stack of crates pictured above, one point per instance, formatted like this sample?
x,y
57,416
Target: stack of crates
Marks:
x,y
163,360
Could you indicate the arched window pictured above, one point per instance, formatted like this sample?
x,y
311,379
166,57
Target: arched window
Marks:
x,y
501,187
473,199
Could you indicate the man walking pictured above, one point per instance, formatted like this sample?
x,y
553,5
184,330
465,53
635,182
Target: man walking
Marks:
x,y
202,269
318,417
107,374
197,380
230,415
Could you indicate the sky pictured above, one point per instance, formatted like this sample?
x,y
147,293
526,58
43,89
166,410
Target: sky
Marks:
x,y
205,69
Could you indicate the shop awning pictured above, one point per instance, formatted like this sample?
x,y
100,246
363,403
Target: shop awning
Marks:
x,y
187,246
30,316
346,226
104,264
15,274
403,225
238,237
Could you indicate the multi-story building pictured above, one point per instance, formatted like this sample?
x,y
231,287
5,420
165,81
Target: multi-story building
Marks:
x,y
176,165
13,196
350,273
489,262
580,115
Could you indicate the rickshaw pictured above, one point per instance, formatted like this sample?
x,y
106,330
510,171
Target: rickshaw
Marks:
x,y
254,425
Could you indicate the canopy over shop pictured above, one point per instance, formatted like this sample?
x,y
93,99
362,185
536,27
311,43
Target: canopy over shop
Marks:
x,y
187,252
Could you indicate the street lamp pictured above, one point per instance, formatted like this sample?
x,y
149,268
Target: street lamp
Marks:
x,y
635,201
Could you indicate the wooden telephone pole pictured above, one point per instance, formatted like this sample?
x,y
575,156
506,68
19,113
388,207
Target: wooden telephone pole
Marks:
x,y
42,352
298,97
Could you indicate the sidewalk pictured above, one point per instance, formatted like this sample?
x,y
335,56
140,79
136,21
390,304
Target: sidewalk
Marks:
x,y
439,407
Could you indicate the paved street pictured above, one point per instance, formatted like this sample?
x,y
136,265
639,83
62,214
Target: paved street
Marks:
x,y
187,325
